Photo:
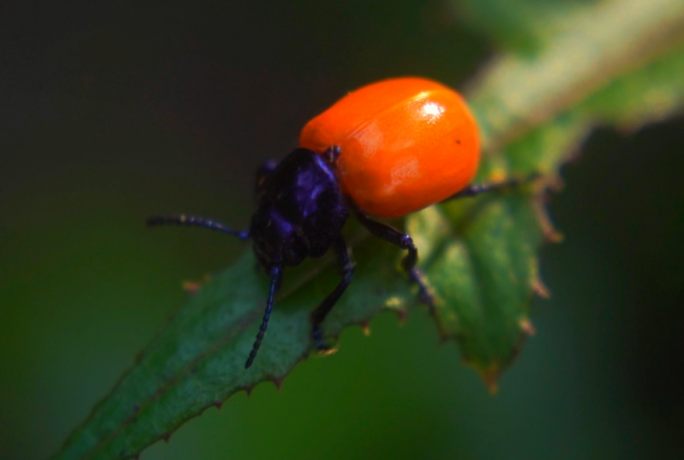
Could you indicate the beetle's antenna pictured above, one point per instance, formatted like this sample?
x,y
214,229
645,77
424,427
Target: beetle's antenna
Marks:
x,y
276,278
193,221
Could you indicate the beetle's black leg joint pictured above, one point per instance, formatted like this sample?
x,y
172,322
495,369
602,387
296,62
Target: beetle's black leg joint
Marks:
x,y
276,278
346,266
194,221
476,189
404,241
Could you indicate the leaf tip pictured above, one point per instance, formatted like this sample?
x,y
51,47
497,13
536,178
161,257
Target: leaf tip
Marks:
x,y
218,404
548,230
192,286
247,390
527,327
398,306
365,328
540,289
278,382
492,386
553,236
490,377
328,351
166,437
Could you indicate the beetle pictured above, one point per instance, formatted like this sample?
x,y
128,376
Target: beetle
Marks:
x,y
386,150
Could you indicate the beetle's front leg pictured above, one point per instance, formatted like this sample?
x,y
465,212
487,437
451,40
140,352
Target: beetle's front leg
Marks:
x,y
346,266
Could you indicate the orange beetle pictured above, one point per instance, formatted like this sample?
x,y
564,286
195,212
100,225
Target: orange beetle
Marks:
x,y
406,143
386,150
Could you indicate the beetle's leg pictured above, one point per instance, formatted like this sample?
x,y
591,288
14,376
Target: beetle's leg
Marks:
x,y
276,279
346,265
404,241
194,221
476,189
265,170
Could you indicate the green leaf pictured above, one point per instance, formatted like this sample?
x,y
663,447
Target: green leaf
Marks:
x,y
534,112
621,65
608,42
523,25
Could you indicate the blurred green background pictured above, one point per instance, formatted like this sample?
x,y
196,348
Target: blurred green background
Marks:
x,y
111,112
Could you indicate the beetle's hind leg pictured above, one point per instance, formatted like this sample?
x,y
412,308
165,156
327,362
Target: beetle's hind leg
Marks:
x,y
346,266
404,241
477,189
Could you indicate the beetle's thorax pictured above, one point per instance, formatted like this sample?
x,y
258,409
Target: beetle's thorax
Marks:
x,y
301,211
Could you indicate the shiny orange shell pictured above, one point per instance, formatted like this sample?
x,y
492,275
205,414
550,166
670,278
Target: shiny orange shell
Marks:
x,y
406,143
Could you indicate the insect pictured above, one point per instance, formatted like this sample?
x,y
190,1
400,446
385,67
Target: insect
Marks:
x,y
386,150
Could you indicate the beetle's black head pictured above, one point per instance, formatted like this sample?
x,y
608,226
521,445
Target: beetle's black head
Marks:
x,y
276,240
301,210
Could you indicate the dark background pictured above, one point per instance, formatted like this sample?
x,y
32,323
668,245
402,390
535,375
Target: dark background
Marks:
x,y
111,112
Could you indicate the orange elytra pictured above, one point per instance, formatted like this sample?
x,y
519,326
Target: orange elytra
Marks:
x,y
406,143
